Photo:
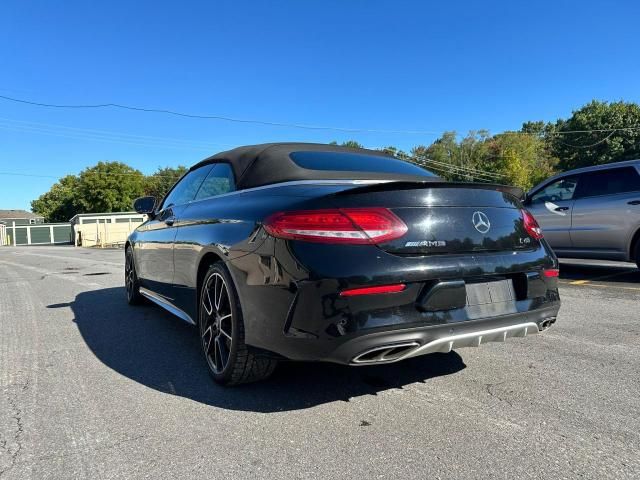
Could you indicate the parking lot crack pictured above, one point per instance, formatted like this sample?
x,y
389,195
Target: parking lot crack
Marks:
x,y
15,448
491,390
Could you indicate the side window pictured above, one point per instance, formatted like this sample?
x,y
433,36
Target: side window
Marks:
x,y
562,189
219,181
186,189
609,182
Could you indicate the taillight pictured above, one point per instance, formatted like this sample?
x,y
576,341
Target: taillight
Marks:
x,y
551,273
531,225
345,225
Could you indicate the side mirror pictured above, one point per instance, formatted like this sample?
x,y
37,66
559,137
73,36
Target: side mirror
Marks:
x,y
145,205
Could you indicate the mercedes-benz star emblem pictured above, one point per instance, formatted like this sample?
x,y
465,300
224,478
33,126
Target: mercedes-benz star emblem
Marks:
x,y
481,222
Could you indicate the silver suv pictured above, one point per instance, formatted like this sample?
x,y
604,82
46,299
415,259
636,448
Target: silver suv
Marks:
x,y
591,212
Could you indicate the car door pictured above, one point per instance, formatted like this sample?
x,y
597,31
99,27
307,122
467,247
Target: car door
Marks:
x,y
198,226
552,206
606,211
155,240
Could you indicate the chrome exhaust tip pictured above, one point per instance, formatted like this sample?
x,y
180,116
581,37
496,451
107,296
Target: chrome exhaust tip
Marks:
x,y
547,322
384,353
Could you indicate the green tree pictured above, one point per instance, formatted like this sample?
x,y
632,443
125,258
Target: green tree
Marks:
x,y
603,132
158,184
105,187
394,151
538,128
440,156
59,203
451,159
348,143
109,187
520,159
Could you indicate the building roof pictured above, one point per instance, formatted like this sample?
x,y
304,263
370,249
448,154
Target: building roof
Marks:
x,y
257,165
110,214
15,214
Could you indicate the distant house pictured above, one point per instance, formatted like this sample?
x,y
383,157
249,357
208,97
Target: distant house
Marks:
x,y
20,227
19,217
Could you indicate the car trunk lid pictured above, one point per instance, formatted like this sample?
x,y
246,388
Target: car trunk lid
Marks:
x,y
447,218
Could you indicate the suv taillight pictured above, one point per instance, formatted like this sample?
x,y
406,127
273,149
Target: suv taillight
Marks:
x,y
354,226
531,225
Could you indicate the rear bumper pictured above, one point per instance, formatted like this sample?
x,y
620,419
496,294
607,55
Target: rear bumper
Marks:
x,y
374,348
292,307
398,332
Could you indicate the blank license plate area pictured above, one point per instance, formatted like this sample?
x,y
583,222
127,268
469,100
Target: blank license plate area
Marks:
x,y
487,299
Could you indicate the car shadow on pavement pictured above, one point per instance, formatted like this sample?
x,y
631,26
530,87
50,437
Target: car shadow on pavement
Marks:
x,y
152,347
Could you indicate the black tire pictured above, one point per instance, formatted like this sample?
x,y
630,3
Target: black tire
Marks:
x,y
637,253
221,328
131,283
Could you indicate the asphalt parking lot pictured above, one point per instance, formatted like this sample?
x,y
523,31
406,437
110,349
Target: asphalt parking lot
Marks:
x,y
93,388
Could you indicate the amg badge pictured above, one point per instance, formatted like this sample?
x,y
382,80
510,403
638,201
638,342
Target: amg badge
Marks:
x,y
427,243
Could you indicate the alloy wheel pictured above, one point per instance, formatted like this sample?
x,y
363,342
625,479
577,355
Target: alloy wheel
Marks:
x,y
216,327
129,275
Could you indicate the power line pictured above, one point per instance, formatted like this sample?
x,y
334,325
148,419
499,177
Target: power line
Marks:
x,y
429,163
130,139
458,167
433,164
16,174
443,170
222,118
106,136
281,124
590,145
80,137
105,174
443,167
119,134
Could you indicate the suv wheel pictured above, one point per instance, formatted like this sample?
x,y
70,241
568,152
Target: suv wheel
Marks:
x,y
221,326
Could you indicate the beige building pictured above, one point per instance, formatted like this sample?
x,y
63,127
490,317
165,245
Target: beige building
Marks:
x,y
104,229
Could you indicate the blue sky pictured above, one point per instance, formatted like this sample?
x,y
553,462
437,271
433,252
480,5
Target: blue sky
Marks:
x,y
394,65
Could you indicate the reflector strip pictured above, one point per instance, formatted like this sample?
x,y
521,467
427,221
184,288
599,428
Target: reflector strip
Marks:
x,y
551,273
352,292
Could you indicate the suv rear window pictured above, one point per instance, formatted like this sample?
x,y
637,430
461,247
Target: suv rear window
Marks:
x,y
355,162
609,182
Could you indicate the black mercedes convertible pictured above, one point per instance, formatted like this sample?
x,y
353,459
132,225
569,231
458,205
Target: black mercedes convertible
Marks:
x,y
294,251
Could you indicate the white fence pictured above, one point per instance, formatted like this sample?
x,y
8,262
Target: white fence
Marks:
x,y
4,240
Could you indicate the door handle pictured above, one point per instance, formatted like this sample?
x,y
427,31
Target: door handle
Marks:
x,y
561,209
634,202
170,220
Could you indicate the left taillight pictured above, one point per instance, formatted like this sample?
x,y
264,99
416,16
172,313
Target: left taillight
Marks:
x,y
355,226
531,225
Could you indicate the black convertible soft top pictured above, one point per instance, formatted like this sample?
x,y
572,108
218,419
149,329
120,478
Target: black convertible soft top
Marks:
x,y
257,165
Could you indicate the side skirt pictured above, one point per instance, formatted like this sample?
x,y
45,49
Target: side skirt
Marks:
x,y
614,255
168,306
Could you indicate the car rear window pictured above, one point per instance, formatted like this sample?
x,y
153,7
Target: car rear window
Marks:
x,y
355,162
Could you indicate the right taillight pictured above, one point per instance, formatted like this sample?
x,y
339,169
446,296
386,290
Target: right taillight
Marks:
x,y
531,225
